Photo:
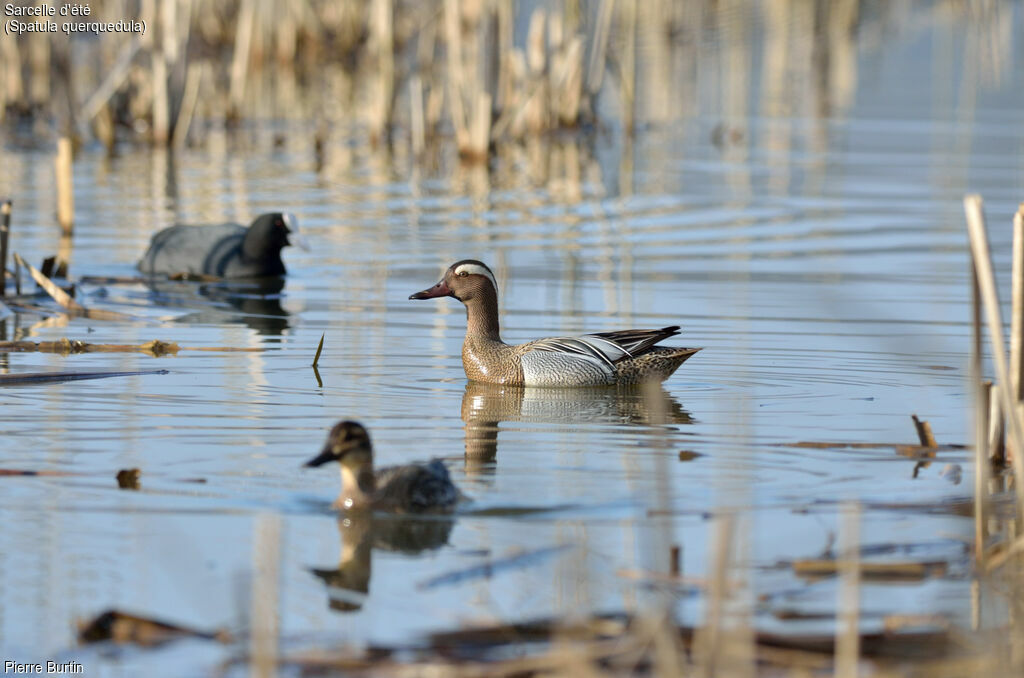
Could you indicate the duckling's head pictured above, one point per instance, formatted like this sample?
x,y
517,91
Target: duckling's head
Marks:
x,y
465,280
348,443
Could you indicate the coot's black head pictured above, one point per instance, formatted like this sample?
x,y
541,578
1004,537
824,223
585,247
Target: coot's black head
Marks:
x,y
269,233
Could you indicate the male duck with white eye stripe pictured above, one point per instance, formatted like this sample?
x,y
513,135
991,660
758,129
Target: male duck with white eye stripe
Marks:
x,y
624,357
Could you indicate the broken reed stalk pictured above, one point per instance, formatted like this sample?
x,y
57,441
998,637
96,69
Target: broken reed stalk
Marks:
x,y
924,432
5,230
50,287
65,187
62,297
989,295
319,348
847,627
115,78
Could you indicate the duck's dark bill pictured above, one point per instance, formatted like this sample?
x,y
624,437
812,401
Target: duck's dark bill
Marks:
x,y
320,459
439,290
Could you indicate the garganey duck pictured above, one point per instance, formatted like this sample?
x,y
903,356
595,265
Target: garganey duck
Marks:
x,y
624,357
412,488
223,250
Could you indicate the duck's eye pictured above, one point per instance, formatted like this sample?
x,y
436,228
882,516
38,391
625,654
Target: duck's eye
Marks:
x,y
463,274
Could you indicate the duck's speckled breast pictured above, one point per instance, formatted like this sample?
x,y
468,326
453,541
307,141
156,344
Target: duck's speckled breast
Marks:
x,y
493,362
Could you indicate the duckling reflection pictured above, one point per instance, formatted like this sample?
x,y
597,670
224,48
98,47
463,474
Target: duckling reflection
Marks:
x,y
348,585
255,303
484,406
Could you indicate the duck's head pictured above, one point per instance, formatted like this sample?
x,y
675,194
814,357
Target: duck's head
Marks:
x,y
465,280
271,232
348,443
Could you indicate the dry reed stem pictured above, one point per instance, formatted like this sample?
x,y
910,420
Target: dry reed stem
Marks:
x,y
65,188
996,430
599,46
5,231
453,37
997,560
505,18
417,128
480,131
263,620
1017,318
161,99
990,296
14,88
983,396
63,298
382,37
113,81
709,644
924,432
154,347
50,287
240,59
847,627
816,568
190,98
627,65
62,261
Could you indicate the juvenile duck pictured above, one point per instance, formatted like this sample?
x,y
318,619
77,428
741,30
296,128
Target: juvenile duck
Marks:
x,y
412,488
223,250
624,357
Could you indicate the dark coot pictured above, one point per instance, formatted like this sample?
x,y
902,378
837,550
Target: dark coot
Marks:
x,y
223,250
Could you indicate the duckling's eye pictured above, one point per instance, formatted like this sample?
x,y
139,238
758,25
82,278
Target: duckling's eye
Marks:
x,y
463,274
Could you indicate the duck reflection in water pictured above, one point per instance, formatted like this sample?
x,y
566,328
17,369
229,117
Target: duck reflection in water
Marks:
x,y
485,406
255,303
362,532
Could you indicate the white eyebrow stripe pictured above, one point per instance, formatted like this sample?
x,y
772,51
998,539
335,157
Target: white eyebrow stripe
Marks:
x,y
476,269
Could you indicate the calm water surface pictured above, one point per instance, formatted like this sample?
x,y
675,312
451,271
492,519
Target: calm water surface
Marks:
x,y
820,262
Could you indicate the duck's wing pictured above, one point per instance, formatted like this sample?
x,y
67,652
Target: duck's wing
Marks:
x,y
416,488
637,342
192,249
606,348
